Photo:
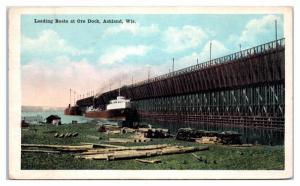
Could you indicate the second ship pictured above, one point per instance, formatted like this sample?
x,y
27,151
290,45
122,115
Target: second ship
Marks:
x,y
116,109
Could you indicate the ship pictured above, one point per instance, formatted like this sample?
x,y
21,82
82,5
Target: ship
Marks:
x,y
72,110
117,109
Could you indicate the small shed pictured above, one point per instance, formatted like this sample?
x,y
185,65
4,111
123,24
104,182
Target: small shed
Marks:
x,y
54,120
24,124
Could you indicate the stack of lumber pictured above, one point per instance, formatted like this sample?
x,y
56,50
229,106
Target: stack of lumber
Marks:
x,y
107,127
201,136
188,134
147,132
125,130
133,139
230,137
154,132
208,140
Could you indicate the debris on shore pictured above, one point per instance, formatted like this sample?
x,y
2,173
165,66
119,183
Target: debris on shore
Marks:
x,y
208,137
95,152
132,154
146,132
67,134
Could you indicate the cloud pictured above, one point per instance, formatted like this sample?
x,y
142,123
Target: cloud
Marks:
x,y
179,39
121,53
48,83
50,42
258,30
135,29
218,50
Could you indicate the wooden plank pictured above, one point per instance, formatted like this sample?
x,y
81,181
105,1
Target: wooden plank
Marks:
x,y
130,154
40,151
148,161
95,145
59,146
147,147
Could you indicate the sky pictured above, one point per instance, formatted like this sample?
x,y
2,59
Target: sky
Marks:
x,y
96,57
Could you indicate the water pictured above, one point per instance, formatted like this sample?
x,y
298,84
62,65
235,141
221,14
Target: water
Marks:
x,y
65,119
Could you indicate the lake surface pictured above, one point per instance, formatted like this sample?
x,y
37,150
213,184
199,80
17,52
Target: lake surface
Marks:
x,y
65,119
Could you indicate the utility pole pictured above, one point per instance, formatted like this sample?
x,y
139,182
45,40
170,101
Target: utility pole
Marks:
x,y
74,97
173,66
210,51
197,61
148,73
120,87
276,30
70,97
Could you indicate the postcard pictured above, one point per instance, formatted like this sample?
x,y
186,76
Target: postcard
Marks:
x,y
150,92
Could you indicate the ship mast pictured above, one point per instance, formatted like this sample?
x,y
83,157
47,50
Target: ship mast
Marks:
x,y
120,89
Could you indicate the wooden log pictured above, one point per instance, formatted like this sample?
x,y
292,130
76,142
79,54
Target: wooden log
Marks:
x,y
242,145
140,138
92,137
80,147
125,130
121,140
148,147
148,161
130,154
113,132
95,145
197,157
208,140
40,151
75,134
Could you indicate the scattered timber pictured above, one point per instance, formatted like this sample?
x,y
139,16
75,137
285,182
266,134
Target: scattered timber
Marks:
x,y
41,151
148,161
66,148
197,157
146,132
227,137
132,154
147,147
208,140
120,140
67,135
75,134
95,145
154,132
93,137
242,145
133,139
125,130
106,127
113,132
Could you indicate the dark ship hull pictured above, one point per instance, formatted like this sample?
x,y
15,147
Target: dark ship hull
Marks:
x,y
72,111
119,114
